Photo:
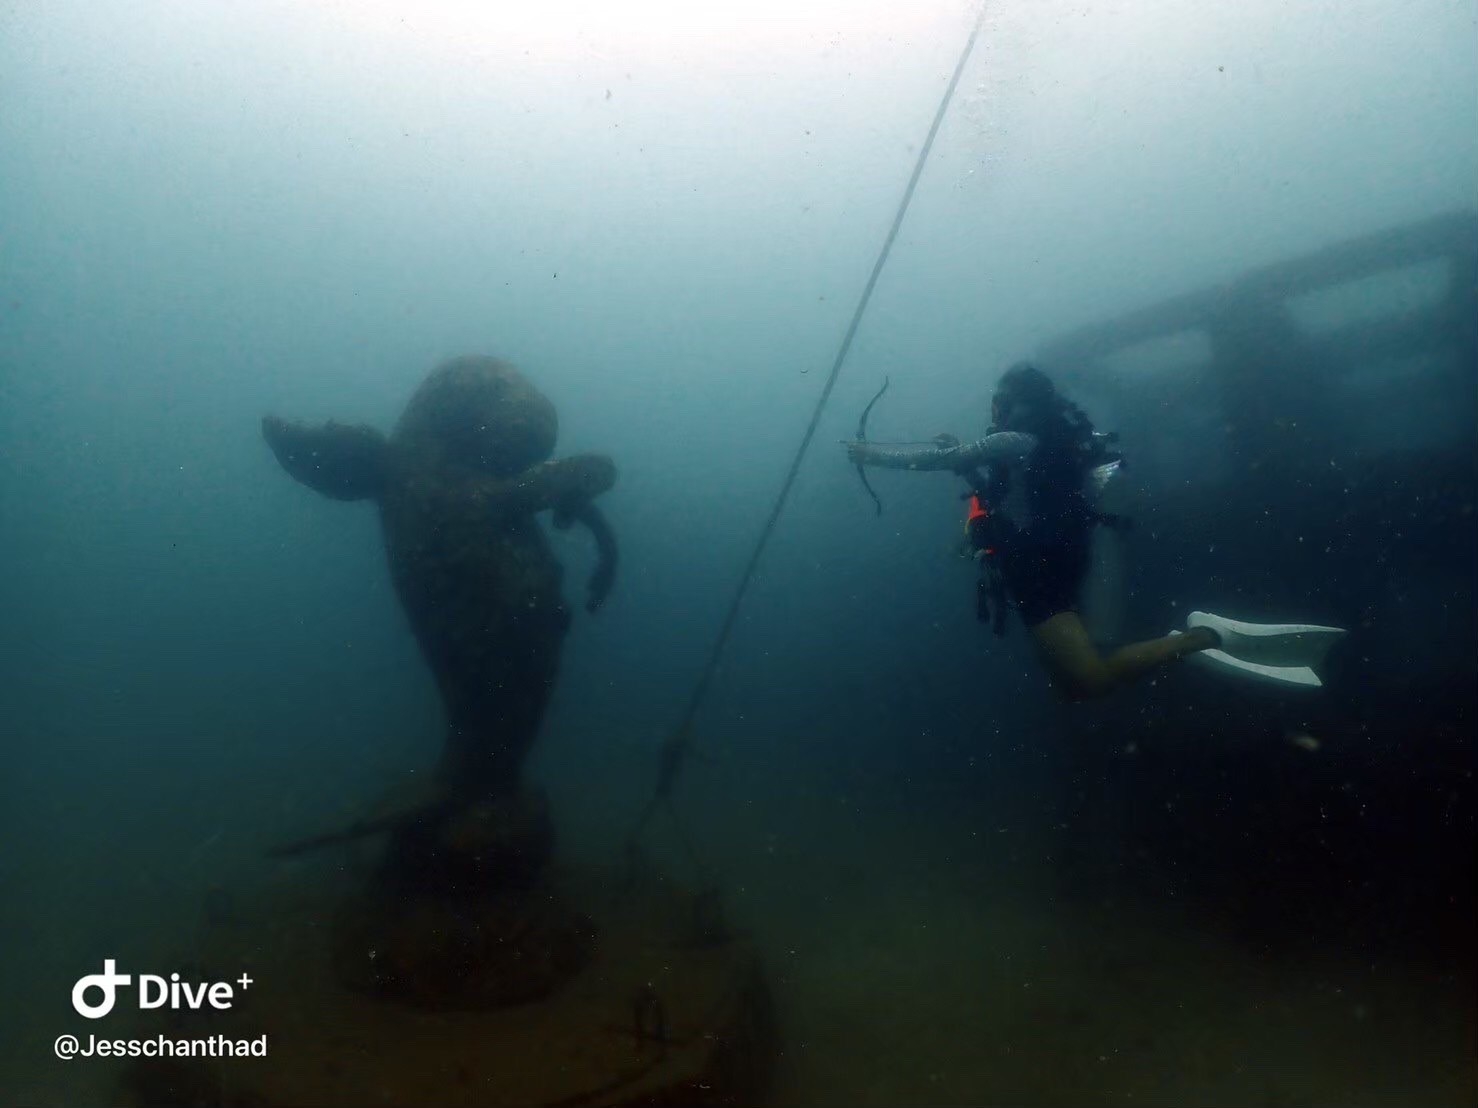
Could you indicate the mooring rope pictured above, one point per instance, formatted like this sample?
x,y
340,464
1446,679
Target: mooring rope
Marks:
x,y
678,744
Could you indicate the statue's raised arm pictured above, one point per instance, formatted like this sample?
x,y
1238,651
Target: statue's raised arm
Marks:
x,y
341,461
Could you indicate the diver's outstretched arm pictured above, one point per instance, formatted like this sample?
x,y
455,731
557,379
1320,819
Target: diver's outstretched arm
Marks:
x,y
1003,446
340,461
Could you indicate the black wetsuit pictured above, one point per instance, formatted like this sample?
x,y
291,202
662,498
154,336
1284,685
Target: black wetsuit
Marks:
x,y
1041,521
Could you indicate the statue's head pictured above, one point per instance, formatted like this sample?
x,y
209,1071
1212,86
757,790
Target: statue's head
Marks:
x,y
479,413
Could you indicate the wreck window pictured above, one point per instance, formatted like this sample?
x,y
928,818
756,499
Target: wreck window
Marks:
x,y
1390,294
1180,352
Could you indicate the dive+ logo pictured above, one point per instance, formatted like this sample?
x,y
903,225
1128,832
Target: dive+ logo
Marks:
x,y
154,991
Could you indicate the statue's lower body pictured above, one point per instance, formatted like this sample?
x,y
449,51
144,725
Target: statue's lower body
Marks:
x,y
460,973
459,914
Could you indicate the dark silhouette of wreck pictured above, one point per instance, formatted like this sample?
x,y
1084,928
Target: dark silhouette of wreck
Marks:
x,y
1289,360
1305,439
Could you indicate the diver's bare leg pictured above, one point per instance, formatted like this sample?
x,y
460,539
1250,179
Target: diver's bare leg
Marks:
x,y
1080,672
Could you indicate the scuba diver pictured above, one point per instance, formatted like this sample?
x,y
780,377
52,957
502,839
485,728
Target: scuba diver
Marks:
x,y
1034,479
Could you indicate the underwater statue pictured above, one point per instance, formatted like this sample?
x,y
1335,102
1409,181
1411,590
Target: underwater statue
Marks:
x,y
457,913
459,484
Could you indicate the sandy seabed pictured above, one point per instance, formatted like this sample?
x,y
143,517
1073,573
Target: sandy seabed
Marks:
x,y
916,957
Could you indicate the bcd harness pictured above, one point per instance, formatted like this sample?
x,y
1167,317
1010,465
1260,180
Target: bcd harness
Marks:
x,y
987,535
990,535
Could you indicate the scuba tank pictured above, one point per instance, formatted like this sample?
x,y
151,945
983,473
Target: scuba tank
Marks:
x,y
1105,464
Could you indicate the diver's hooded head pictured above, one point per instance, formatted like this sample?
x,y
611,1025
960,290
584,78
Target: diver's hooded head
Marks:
x,y
1024,398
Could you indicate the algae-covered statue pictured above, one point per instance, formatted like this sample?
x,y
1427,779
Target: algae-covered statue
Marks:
x,y
459,483
455,914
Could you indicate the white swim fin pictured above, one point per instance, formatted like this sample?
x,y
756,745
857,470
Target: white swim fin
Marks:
x,y
1275,653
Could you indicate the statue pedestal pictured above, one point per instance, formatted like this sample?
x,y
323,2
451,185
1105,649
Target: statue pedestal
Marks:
x,y
667,1009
